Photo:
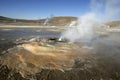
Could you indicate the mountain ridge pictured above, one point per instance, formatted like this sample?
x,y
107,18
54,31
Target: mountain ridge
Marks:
x,y
53,21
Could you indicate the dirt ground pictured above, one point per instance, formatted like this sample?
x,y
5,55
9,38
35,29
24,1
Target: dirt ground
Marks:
x,y
53,60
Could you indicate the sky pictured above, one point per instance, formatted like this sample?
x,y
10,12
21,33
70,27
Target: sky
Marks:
x,y
36,9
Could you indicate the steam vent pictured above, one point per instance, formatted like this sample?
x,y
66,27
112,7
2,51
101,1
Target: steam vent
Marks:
x,y
43,60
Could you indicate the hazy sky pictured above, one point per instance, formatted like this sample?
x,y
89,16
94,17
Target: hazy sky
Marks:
x,y
35,9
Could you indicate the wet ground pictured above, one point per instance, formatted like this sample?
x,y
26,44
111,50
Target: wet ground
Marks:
x,y
98,59
8,36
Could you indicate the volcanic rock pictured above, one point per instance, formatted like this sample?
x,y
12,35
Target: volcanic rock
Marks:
x,y
59,61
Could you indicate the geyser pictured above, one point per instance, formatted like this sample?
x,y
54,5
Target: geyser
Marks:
x,y
84,29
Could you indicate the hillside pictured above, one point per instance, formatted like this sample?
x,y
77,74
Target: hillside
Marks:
x,y
61,21
54,21
12,21
114,23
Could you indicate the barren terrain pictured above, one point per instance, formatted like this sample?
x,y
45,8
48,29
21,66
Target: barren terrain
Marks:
x,y
26,57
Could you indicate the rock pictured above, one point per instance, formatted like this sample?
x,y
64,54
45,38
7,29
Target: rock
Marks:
x,y
62,61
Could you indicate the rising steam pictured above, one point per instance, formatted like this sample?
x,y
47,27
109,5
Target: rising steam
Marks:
x,y
84,28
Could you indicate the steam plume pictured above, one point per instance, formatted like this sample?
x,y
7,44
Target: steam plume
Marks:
x,y
101,11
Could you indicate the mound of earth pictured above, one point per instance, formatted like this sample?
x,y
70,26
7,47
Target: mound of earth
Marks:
x,y
50,60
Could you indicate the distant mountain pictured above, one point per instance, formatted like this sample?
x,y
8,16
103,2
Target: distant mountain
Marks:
x,y
13,21
114,23
61,20
54,21
4,18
